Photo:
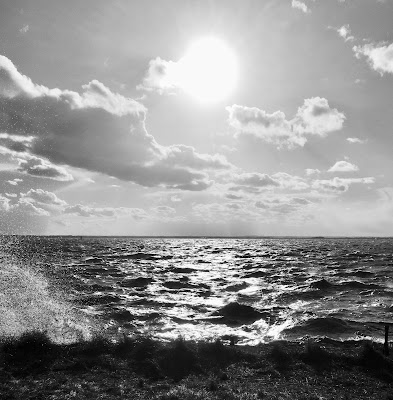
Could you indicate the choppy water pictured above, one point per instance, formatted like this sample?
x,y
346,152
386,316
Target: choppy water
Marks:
x,y
253,289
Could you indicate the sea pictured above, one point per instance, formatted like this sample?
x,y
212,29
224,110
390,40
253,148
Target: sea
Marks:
x,y
244,290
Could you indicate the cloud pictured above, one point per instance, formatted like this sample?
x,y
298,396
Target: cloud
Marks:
x,y
311,171
43,197
339,184
17,148
255,179
290,182
24,29
343,166
4,203
232,196
41,168
254,182
283,205
379,57
97,130
22,206
14,182
345,32
12,144
300,6
160,77
111,212
251,182
164,211
314,117
222,212
356,140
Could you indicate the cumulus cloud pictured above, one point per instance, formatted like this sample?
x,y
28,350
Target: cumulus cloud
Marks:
x,y
290,182
356,140
343,166
97,130
43,197
339,184
379,56
251,182
345,32
314,117
300,6
22,206
37,166
160,77
14,182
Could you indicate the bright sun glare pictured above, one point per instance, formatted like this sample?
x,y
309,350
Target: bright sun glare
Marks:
x,y
208,71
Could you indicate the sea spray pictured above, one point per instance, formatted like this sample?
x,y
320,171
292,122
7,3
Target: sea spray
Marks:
x,y
28,304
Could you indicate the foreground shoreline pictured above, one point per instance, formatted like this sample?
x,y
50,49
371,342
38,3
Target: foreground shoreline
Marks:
x,y
32,367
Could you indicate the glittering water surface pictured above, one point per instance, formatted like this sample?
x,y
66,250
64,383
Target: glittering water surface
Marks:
x,y
252,289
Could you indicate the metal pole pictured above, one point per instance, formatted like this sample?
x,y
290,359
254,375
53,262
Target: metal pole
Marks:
x,y
386,344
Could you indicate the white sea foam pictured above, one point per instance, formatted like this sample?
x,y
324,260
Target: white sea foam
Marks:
x,y
27,304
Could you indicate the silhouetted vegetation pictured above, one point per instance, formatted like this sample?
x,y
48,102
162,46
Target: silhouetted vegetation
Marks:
x,y
142,368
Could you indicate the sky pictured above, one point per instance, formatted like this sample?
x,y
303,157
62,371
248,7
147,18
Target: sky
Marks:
x,y
185,117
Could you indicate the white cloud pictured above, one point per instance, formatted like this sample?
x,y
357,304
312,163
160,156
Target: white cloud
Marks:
x,y
97,130
356,140
300,6
343,166
345,32
24,29
339,184
14,182
290,182
22,206
314,117
380,57
43,197
312,171
160,77
255,179
41,168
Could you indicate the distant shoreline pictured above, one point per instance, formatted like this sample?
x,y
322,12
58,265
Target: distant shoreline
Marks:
x,y
197,236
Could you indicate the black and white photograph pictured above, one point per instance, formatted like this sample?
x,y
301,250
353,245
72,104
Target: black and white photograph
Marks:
x,y
196,199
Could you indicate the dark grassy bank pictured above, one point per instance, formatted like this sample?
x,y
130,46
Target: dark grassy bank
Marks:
x,y
32,367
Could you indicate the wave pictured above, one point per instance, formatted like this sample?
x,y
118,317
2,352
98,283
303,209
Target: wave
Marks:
x,y
235,313
324,326
28,304
323,284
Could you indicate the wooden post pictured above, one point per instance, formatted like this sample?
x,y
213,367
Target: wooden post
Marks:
x,y
386,344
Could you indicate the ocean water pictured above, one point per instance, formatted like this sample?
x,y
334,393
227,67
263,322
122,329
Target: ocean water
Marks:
x,y
254,290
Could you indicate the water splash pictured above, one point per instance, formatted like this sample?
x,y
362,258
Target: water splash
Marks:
x,y
28,304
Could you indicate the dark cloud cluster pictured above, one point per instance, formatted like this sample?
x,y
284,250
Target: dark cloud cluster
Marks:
x,y
97,130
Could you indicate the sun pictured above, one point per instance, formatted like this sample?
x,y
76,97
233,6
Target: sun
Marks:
x,y
208,71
